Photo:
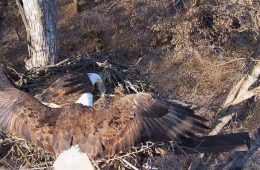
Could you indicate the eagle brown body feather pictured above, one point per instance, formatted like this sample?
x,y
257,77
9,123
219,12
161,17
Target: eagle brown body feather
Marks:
x,y
130,120
67,89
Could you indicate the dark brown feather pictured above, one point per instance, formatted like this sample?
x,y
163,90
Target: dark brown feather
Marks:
x,y
67,89
130,120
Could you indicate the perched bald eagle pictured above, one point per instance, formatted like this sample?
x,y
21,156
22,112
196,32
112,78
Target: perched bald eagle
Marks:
x,y
131,120
73,88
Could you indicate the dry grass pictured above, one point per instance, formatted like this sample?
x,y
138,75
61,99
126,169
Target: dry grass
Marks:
x,y
208,51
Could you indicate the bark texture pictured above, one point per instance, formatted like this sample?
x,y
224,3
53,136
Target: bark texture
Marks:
x,y
39,17
76,5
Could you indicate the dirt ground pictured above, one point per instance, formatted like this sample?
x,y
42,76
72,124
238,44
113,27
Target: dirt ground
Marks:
x,y
190,52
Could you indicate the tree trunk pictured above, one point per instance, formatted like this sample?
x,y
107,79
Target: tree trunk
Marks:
x,y
39,17
76,5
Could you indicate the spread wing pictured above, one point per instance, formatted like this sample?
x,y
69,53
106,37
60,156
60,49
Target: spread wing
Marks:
x,y
6,112
67,89
138,118
24,116
131,120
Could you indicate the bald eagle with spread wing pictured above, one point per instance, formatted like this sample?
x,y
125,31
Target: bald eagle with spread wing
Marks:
x,y
131,120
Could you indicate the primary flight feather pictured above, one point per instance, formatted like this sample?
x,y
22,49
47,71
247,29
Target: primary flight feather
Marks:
x,y
129,121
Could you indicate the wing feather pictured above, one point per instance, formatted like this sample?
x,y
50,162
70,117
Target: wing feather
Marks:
x,y
131,120
148,119
6,106
67,89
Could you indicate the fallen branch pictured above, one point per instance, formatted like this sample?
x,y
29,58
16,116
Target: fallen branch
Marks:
x,y
242,90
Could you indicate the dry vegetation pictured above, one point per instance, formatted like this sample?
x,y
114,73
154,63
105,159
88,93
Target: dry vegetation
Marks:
x,y
181,50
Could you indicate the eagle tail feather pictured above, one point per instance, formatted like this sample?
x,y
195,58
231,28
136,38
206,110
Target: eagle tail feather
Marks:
x,y
214,144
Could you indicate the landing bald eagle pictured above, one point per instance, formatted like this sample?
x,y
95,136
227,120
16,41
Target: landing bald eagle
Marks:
x,y
131,120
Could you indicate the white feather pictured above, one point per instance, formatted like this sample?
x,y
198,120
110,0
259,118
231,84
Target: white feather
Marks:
x,y
86,99
73,159
94,77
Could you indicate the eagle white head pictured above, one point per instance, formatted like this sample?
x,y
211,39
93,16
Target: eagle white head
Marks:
x,y
96,80
86,99
73,159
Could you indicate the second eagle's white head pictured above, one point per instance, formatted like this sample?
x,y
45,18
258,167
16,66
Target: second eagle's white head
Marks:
x,y
86,99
